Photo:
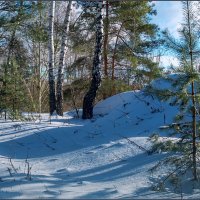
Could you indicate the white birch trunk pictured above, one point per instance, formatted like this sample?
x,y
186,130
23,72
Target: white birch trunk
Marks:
x,y
39,72
59,92
52,99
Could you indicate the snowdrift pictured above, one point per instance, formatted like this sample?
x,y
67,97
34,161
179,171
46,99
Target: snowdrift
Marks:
x,y
105,157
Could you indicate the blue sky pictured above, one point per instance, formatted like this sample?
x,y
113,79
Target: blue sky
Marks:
x,y
169,15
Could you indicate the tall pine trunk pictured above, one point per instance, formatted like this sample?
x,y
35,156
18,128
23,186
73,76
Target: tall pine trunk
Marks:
x,y
6,70
194,128
113,60
52,98
59,92
105,43
89,98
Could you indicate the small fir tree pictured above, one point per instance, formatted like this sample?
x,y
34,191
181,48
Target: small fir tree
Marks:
x,y
183,92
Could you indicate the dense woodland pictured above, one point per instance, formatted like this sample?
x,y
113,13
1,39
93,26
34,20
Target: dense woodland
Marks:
x,y
51,52
57,56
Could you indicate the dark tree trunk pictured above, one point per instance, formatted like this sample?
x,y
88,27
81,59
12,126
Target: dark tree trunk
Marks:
x,y
194,125
89,98
52,97
105,44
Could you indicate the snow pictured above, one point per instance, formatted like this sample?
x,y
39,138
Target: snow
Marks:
x,y
106,157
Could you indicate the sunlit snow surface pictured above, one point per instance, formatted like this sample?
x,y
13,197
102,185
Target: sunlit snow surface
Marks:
x,y
98,158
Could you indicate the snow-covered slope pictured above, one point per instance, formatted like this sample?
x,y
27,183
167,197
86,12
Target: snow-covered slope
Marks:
x,y
105,157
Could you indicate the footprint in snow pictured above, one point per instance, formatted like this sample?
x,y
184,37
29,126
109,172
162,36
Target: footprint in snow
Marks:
x,y
99,147
83,182
113,144
51,192
52,160
90,152
62,170
105,146
80,183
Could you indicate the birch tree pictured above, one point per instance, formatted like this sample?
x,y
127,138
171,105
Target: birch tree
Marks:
x,y
89,98
59,92
52,99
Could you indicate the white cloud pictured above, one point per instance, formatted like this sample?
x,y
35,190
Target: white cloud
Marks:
x,y
166,61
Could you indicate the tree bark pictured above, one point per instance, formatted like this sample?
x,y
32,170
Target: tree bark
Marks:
x,y
59,92
6,69
113,60
105,43
89,98
194,128
39,66
114,53
52,98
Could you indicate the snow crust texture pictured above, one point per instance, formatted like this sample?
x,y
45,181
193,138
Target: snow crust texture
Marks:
x,y
106,157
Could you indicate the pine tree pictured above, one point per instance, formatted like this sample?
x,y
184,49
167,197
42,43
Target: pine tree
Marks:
x,y
14,15
135,38
14,98
184,93
105,39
